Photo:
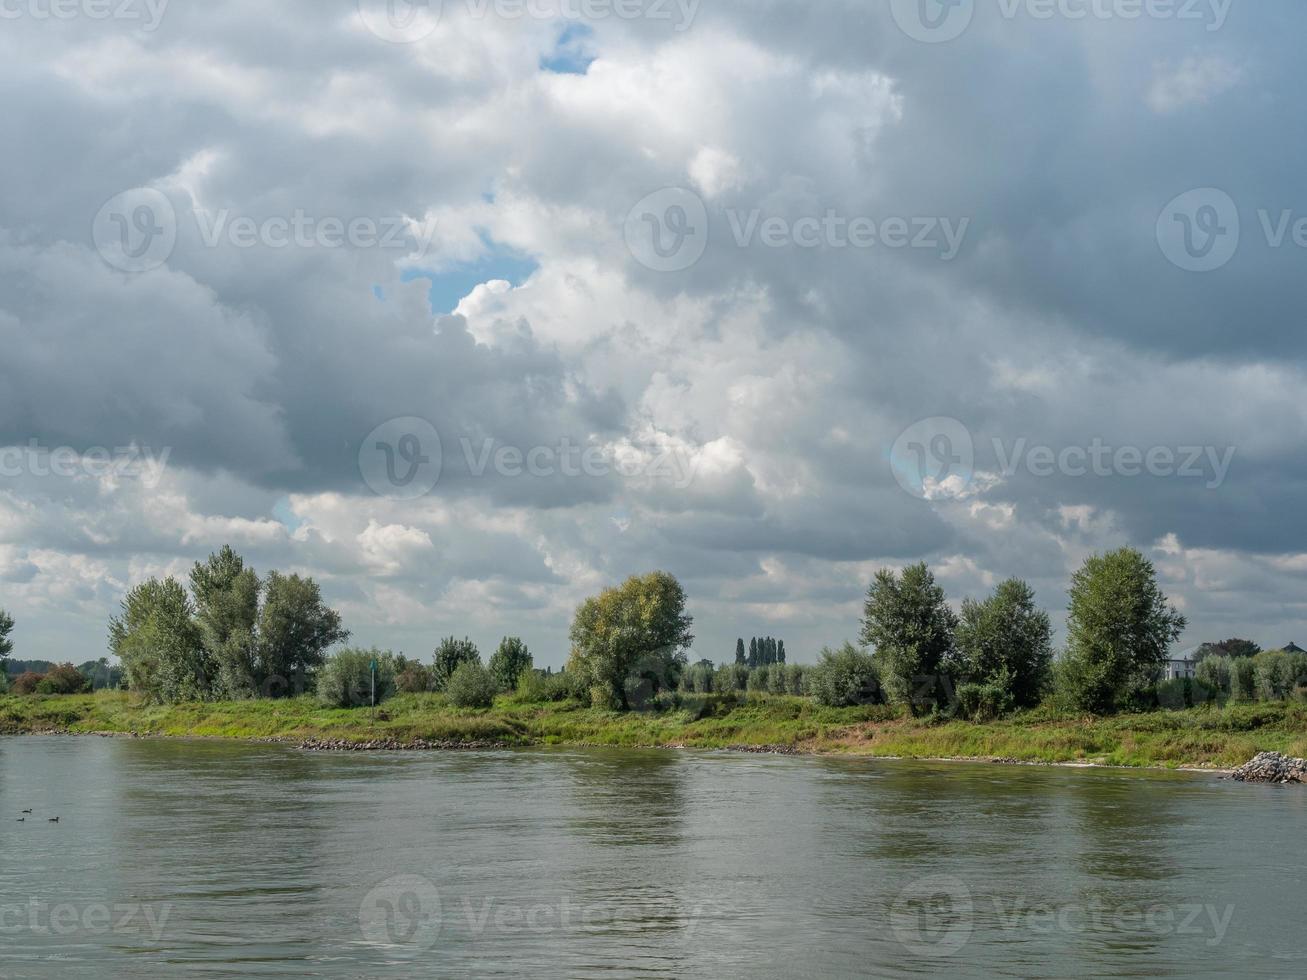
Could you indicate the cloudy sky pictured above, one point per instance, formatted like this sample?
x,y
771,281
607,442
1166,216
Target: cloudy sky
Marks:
x,y
469,311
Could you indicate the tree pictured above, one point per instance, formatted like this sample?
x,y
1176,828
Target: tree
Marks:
x,y
911,627
470,686
1006,642
739,651
449,656
6,644
780,651
753,652
346,680
1234,647
295,630
159,644
638,629
227,611
1120,630
844,677
508,662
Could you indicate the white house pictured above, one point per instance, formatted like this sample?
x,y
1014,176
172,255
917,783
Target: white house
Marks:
x,y
1183,664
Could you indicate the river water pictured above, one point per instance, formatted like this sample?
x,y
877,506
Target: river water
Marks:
x,y
212,859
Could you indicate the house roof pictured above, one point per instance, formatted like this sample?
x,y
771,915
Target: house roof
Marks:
x,y
1292,647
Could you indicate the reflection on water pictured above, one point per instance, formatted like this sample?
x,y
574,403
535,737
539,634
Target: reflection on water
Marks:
x,y
217,859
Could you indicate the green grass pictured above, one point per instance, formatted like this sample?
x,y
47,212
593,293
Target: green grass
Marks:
x,y
1207,737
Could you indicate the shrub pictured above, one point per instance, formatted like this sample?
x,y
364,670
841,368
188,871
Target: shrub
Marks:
x,y
845,677
25,683
345,680
986,701
1273,675
63,679
777,679
1214,672
411,677
1243,679
794,678
470,686
758,679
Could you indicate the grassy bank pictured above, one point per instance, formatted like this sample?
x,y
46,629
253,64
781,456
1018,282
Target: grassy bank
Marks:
x,y
1208,737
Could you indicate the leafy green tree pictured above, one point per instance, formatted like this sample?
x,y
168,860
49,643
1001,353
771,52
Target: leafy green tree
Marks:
x,y
227,612
1274,676
470,686
739,651
1120,630
345,680
780,651
910,625
638,629
63,679
1006,642
6,644
295,630
159,644
508,662
844,677
1215,672
753,652
1243,679
1234,647
449,656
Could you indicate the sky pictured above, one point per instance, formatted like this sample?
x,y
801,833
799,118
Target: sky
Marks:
x,y
469,310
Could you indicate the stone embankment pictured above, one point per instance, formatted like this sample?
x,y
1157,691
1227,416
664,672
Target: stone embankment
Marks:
x,y
393,745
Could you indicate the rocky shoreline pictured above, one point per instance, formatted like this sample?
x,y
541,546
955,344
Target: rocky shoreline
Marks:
x,y
395,745
1272,767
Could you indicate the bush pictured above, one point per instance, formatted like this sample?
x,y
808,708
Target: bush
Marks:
x,y
470,686
986,701
412,677
777,679
345,680
845,677
63,679
1214,672
794,678
1273,675
25,683
1243,679
758,679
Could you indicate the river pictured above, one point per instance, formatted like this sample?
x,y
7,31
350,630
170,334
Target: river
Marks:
x,y
213,859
